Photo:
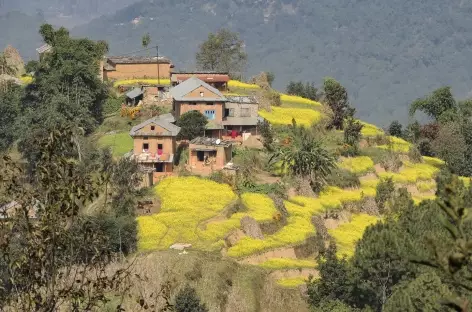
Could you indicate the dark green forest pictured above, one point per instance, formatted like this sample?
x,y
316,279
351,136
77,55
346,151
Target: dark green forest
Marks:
x,y
386,53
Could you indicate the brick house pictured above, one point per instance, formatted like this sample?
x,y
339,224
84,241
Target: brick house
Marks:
x,y
133,67
240,117
155,145
195,94
209,154
218,80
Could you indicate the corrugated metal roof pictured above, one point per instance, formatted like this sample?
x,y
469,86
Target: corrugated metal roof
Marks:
x,y
44,48
210,142
138,60
134,93
242,99
178,92
162,121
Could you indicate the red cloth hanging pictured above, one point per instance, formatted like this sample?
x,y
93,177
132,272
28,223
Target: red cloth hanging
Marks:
x,y
234,134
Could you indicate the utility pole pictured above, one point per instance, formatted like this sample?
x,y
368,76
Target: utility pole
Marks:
x,y
158,74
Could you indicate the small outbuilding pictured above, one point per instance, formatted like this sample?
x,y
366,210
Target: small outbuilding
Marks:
x,y
209,154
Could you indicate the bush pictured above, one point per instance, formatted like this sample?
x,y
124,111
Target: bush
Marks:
x,y
395,129
342,178
187,300
414,155
425,148
112,105
385,190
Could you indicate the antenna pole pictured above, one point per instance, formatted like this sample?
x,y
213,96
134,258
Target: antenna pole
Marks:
x,y
158,74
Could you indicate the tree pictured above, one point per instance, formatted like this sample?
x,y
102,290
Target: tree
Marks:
x,y
187,301
439,103
32,66
146,40
352,135
395,129
56,261
267,134
222,51
305,157
450,145
384,192
307,90
192,124
270,78
425,293
10,109
337,99
5,67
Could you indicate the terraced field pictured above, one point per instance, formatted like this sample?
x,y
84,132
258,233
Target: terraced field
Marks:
x,y
209,215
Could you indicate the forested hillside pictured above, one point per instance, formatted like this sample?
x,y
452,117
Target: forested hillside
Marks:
x,y
386,53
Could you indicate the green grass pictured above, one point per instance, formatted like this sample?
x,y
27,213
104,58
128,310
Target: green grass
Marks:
x,y
120,143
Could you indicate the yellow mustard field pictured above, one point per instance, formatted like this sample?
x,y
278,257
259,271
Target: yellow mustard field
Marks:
x,y
426,186
370,130
397,145
410,173
130,82
347,235
298,99
185,203
242,85
433,161
284,116
291,282
357,165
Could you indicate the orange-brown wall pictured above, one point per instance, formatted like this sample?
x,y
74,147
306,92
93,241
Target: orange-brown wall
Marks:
x,y
206,93
130,71
223,156
182,108
168,144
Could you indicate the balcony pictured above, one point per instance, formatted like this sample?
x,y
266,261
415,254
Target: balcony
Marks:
x,y
151,158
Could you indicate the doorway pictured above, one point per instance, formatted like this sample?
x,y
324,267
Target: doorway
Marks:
x,y
159,167
200,155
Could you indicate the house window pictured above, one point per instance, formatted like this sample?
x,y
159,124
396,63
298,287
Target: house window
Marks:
x,y
159,149
210,114
145,147
201,94
200,155
245,112
153,128
159,167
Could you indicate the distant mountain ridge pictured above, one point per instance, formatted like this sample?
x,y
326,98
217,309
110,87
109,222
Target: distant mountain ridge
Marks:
x,y
387,53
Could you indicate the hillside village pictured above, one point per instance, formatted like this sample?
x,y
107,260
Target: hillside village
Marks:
x,y
260,185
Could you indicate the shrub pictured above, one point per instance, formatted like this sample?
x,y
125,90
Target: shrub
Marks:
x,y
342,178
395,129
384,192
414,155
112,105
187,300
425,147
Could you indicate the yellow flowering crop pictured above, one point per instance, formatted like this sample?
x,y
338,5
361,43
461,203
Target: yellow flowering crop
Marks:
x,y
357,165
397,145
370,130
185,203
284,263
347,235
411,173
26,79
283,116
130,82
425,186
291,282
433,161
465,180
298,99
259,206
242,85
417,199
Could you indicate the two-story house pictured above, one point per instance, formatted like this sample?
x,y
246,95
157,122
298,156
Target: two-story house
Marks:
x,y
216,79
155,145
240,116
195,94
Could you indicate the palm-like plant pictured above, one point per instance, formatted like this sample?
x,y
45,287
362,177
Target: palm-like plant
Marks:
x,y
302,155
